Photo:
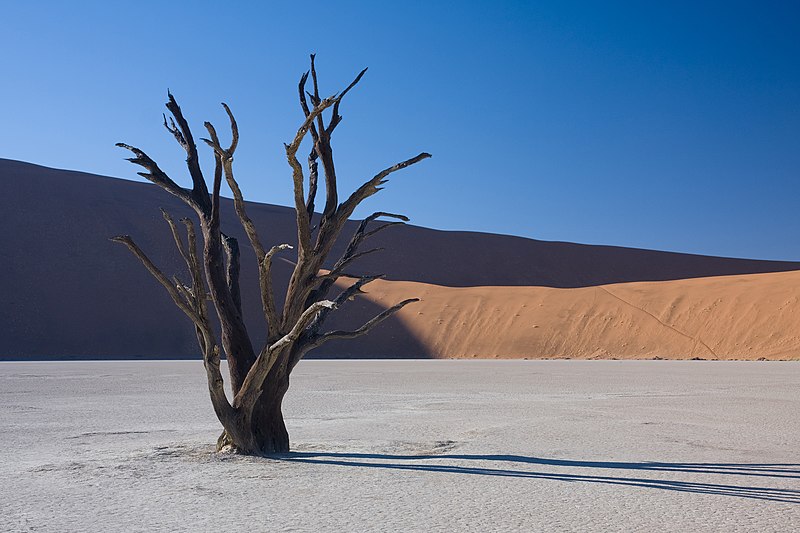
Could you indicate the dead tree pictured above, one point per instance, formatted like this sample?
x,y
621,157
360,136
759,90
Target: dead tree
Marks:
x,y
253,420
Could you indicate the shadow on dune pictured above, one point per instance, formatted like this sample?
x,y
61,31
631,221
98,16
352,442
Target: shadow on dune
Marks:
x,y
470,259
516,470
70,293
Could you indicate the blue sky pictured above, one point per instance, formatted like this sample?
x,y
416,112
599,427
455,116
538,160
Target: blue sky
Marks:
x,y
670,125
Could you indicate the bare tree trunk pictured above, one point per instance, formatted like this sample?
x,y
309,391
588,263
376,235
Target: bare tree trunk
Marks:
x,y
253,419
269,427
264,431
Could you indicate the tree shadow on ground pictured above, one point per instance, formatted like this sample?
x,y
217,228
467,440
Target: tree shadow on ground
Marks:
x,y
414,463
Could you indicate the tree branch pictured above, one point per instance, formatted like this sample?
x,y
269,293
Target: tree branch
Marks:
x,y
323,146
215,196
226,157
319,340
315,98
216,385
234,130
184,137
336,118
198,285
361,234
301,324
303,217
193,304
313,180
344,296
383,227
264,258
171,289
313,170
292,147
157,176
331,335
177,238
322,149
267,293
330,230
351,252
372,186
231,246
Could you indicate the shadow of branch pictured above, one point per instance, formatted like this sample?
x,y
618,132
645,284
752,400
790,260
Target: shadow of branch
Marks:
x,y
416,463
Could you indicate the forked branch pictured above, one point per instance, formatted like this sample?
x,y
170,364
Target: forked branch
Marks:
x,y
346,295
321,134
182,303
198,285
319,340
267,291
339,334
337,118
186,140
193,304
301,204
373,186
362,233
177,238
226,158
233,267
157,176
351,253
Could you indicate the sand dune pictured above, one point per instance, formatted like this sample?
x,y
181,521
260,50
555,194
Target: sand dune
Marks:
x,y
731,317
68,291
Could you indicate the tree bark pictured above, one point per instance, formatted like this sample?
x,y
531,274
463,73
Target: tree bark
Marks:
x,y
269,427
235,339
262,430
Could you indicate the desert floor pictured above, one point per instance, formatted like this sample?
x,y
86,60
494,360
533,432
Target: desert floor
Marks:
x,y
409,446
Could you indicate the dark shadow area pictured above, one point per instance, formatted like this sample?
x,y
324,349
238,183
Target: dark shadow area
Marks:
x,y
70,293
411,462
449,258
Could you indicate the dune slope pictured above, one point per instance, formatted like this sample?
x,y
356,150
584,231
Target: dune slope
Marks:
x,y
730,317
68,291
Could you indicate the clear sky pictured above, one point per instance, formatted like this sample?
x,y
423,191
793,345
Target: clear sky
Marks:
x,y
668,125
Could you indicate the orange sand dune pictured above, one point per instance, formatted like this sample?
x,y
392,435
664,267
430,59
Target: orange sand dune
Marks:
x,y
731,317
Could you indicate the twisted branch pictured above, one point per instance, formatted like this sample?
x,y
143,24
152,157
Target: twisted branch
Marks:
x,y
180,301
267,292
157,176
192,302
351,253
231,246
373,185
177,238
318,340
226,158
301,207
313,170
183,134
337,118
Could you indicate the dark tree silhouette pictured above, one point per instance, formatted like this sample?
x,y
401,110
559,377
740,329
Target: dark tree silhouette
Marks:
x,y
253,420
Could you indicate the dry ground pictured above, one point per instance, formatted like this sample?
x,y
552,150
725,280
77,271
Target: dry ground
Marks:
x,y
411,446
